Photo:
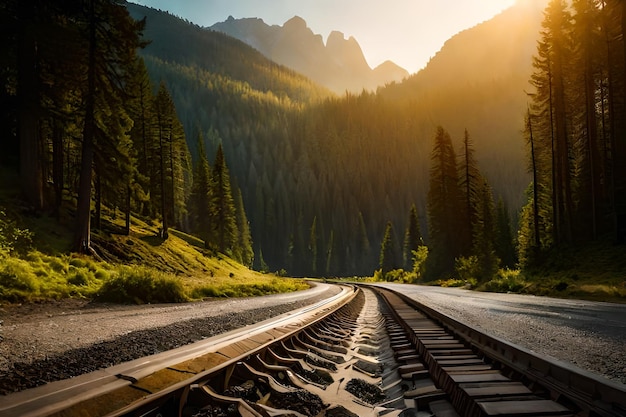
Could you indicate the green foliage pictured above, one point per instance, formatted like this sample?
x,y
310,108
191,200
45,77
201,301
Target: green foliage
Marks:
x,y
243,249
468,268
571,200
507,281
420,256
444,206
18,275
12,238
388,260
222,213
274,286
199,200
412,238
504,244
142,285
456,283
39,276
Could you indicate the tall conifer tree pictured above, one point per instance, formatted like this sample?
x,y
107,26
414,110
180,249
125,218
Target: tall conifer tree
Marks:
x,y
387,258
222,208
244,251
412,238
199,201
444,206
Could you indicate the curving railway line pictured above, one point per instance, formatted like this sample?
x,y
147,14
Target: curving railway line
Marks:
x,y
367,351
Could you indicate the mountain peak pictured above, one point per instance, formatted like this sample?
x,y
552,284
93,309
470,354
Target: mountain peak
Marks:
x,y
295,22
339,65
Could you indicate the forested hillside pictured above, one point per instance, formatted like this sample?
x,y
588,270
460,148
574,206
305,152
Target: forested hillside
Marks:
x,y
321,181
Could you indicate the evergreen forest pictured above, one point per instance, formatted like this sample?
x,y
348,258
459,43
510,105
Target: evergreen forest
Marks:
x,y
111,105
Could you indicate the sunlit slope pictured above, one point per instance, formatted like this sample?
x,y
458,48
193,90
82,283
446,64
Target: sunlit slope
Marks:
x,y
478,81
174,40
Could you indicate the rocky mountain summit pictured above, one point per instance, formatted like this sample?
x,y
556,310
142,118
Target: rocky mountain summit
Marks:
x,y
338,64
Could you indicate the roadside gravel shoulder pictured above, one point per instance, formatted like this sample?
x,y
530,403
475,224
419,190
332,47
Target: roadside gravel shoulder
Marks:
x,y
58,340
556,330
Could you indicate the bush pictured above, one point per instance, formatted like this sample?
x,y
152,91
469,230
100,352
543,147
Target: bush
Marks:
x,y
396,275
12,238
467,268
456,283
254,289
141,285
506,280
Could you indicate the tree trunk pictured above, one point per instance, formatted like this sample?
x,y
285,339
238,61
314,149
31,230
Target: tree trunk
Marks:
x,y
164,232
28,108
537,243
57,167
98,200
619,161
82,238
127,211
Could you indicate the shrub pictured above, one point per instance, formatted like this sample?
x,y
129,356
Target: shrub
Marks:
x,y
12,238
419,262
395,275
506,280
141,285
252,289
455,282
467,268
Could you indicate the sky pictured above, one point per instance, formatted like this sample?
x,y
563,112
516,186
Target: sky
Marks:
x,y
407,32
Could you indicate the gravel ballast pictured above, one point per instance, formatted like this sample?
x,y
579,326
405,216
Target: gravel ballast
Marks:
x,y
47,342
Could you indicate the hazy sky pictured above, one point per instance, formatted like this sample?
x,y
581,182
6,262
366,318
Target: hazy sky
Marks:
x,y
408,32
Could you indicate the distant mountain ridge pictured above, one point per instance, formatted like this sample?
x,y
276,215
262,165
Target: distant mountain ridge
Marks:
x,y
338,65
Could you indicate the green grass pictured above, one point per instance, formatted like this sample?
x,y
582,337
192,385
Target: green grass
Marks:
x,y
139,268
596,271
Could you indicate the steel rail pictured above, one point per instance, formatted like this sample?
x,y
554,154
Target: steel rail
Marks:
x,y
118,390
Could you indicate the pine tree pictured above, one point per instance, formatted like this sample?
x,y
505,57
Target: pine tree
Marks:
x,y
330,253
483,247
504,244
164,118
111,40
199,201
245,253
222,213
387,258
140,108
444,206
364,249
412,238
471,183
313,253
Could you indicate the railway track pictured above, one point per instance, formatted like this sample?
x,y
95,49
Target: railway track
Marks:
x,y
366,352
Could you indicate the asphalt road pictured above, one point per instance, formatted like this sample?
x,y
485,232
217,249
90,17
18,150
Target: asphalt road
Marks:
x,y
590,335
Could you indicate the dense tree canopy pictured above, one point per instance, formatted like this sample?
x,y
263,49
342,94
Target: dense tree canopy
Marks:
x,y
576,129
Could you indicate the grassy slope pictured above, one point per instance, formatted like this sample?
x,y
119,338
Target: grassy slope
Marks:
x,y
138,268
596,271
